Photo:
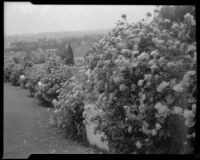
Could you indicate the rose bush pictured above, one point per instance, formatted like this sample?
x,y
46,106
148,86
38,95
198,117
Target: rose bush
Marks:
x,y
14,66
69,106
17,70
143,77
8,68
55,73
33,76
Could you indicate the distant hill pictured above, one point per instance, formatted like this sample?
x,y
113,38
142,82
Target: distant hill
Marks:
x,y
53,35
79,40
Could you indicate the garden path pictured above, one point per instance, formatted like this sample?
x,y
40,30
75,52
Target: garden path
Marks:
x,y
27,130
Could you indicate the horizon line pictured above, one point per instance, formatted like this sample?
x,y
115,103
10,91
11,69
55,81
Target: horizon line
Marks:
x,y
35,33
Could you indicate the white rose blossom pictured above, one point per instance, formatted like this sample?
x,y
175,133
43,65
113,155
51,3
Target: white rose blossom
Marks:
x,y
162,86
178,88
161,108
22,77
191,48
175,26
189,123
154,132
140,82
39,83
158,126
154,66
178,110
151,62
143,56
194,108
154,53
188,114
147,76
167,21
138,144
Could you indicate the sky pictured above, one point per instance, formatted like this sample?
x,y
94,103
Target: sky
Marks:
x,y
24,17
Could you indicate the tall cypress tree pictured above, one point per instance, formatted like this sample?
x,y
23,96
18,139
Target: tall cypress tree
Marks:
x,y
69,55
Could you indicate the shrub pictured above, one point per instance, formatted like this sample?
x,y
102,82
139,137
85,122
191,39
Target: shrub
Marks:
x,y
69,106
8,68
27,62
40,56
15,75
142,74
55,73
33,76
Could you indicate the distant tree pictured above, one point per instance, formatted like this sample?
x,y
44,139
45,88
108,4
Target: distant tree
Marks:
x,y
27,62
16,59
68,54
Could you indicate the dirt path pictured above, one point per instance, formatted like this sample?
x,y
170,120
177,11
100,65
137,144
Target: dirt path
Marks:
x,y
27,130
